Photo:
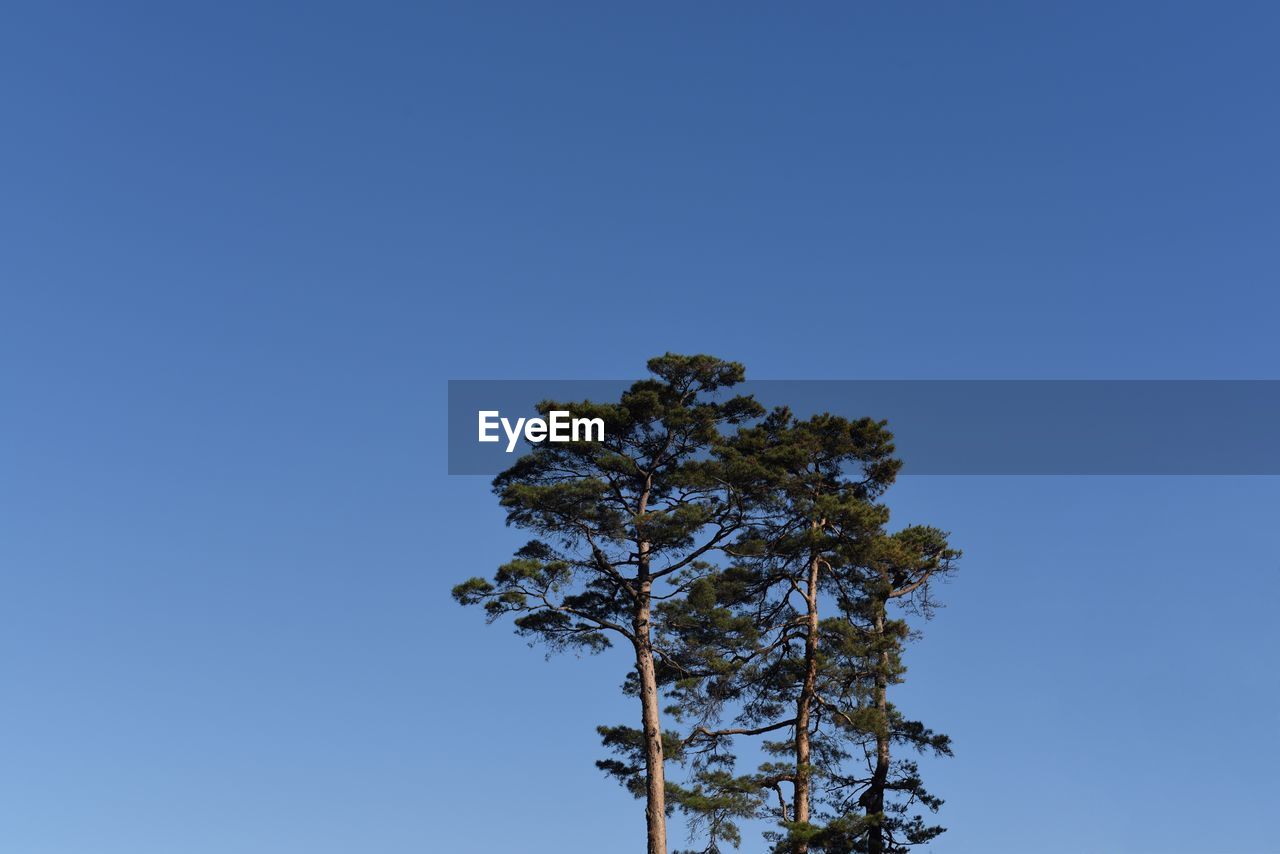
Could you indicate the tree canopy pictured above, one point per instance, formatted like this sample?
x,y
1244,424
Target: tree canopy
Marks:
x,y
745,559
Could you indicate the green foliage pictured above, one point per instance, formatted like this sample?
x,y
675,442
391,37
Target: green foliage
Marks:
x,y
627,744
746,558
714,802
613,517
756,655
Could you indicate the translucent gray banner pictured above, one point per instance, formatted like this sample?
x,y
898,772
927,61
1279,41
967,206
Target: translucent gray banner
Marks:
x,y
967,427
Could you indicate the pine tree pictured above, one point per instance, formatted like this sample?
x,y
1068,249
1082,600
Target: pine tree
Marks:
x,y
900,569
754,638
651,503
799,639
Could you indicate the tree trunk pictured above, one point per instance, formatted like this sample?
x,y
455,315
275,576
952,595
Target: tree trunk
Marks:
x,y
805,704
655,806
655,810
873,798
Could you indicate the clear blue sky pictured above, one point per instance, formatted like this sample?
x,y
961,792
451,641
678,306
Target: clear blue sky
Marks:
x,y
243,249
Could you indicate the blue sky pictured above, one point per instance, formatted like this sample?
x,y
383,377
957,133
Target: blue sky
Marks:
x,y
244,248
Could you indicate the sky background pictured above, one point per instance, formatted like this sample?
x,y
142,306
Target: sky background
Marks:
x,y
245,245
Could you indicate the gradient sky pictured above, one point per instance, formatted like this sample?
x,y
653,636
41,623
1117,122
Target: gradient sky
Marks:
x,y
244,248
